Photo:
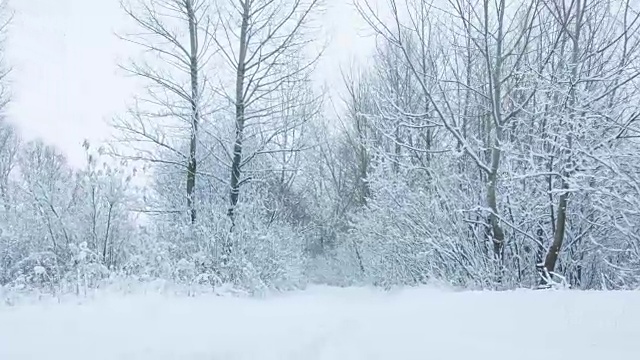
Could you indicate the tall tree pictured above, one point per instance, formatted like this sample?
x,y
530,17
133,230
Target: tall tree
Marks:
x,y
178,33
500,41
599,43
269,53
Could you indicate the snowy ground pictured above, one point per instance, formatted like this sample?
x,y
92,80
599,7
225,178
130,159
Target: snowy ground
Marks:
x,y
330,324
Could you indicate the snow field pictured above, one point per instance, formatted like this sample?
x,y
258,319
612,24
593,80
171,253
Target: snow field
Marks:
x,y
329,324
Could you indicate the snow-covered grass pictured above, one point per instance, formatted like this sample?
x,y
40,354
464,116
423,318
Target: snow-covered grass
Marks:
x,y
330,324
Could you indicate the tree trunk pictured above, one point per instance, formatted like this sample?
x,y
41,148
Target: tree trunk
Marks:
x,y
363,162
106,236
495,74
240,116
195,111
558,237
497,234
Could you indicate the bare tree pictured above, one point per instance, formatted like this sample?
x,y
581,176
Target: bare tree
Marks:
x,y
9,147
178,34
5,19
358,131
499,34
599,44
268,53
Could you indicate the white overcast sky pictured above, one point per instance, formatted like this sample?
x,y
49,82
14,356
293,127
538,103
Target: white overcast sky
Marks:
x,y
64,55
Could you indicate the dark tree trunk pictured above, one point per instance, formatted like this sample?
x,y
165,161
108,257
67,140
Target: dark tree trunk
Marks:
x,y
558,237
195,111
240,117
